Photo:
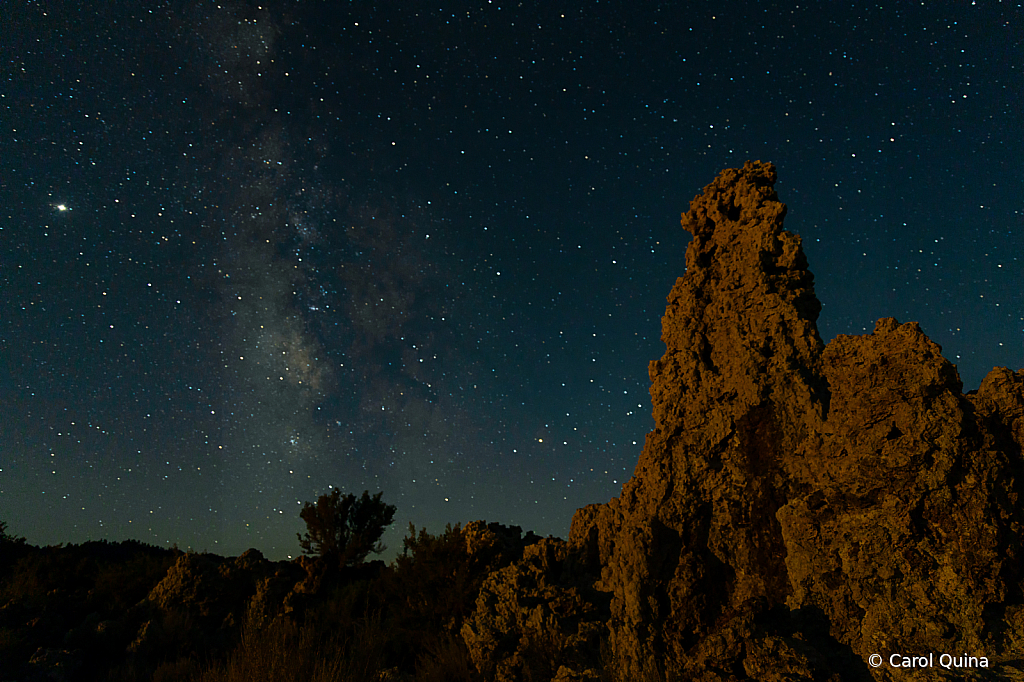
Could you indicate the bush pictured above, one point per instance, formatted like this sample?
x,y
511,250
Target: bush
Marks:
x,y
11,547
425,595
345,529
5,538
436,578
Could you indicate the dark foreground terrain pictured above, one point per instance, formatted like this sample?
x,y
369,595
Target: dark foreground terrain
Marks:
x,y
128,611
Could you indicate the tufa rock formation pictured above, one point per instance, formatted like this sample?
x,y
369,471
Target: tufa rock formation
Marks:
x,y
797,508
693,548
537,619
204,600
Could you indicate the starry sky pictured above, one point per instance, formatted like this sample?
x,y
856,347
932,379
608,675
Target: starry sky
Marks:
x,y
250,251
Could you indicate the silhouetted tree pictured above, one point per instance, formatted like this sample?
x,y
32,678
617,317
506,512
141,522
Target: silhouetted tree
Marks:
x,y
4,537
345,528
12,548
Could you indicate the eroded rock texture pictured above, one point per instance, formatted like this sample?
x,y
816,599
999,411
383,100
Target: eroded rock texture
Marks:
x,y
537,618
798,507
205,599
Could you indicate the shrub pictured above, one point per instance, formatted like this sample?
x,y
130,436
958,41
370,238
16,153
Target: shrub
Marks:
x,y
11,548
5,537
344,529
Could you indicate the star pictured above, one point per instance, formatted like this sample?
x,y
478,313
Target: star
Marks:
x,y
62,208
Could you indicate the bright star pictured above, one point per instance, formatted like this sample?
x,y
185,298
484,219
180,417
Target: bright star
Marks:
x,y
61,207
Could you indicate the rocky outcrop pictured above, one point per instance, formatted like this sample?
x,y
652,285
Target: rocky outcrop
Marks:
x,y
128,611
491,546
536,619
204,600
908,537
799,507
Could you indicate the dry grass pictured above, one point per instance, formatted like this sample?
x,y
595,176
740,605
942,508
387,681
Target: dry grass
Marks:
x,y
446,659
612,669
280,651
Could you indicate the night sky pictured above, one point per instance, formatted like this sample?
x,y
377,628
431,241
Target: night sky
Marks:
x,y
251,251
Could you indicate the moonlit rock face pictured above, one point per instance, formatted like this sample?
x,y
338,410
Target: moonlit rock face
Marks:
x,y
791,489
